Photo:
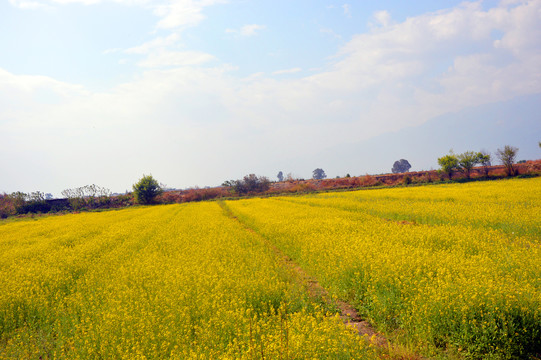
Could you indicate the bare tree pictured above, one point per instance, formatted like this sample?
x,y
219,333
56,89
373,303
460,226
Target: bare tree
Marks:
x,y
507,157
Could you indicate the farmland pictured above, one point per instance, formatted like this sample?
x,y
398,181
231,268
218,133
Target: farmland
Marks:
x,y
447,271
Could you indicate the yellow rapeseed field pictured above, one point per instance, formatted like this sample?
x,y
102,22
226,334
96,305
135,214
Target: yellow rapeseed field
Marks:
x,y
448,271
178,281
447,268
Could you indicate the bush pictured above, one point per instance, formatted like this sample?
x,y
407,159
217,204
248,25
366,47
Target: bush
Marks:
x,y
406,180
146,190
7,207
251,184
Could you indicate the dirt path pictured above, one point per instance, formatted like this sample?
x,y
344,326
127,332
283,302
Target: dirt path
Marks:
x,y
349,315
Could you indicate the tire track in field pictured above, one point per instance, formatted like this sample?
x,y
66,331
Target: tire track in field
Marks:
x,y
348,313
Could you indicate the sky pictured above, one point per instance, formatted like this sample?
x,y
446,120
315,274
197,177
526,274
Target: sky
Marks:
x,y
199,92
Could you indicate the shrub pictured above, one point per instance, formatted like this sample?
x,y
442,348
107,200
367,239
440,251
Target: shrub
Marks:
x,y
146,190
251,184
7,207
406,180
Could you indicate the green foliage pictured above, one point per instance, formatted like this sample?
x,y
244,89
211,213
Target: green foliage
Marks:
x,y
466,162
401,166
485,160
22,203
146,189
318,174
507,156
406,180
251,184
449,164
228,183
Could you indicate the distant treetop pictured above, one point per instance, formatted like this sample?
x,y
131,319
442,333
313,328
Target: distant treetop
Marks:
x,y
401,166
318,174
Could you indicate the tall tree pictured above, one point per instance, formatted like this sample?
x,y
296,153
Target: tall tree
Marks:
x,y
280,176
401,166
485,160
507,156
318,174
466,162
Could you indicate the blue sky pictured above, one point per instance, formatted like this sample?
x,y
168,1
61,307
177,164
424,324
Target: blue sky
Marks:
x,y
198,92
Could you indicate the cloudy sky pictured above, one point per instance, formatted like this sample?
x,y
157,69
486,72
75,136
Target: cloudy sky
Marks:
x,y
198,92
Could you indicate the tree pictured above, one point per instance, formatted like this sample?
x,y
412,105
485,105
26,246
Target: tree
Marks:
x,y
449,164
484,160
401,166
146,189
251,184
466,162
90,196
280,176
507,156
228,183
318,174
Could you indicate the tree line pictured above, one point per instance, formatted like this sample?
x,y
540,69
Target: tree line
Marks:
x,y
147,189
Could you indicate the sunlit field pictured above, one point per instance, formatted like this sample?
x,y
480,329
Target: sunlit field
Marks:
x,y
447,271
448,268
179,281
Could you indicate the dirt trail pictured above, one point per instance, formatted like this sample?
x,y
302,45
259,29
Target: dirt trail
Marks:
x,y
349,315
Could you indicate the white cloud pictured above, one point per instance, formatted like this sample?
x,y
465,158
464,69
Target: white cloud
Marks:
x,y
330,32
182,13
383,17
247,30
287,71
30,83
28,5
347,10
173,14
176,58
157,43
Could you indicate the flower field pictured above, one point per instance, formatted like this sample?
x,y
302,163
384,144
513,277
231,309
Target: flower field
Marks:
x,y
449,268
447,271
177,281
